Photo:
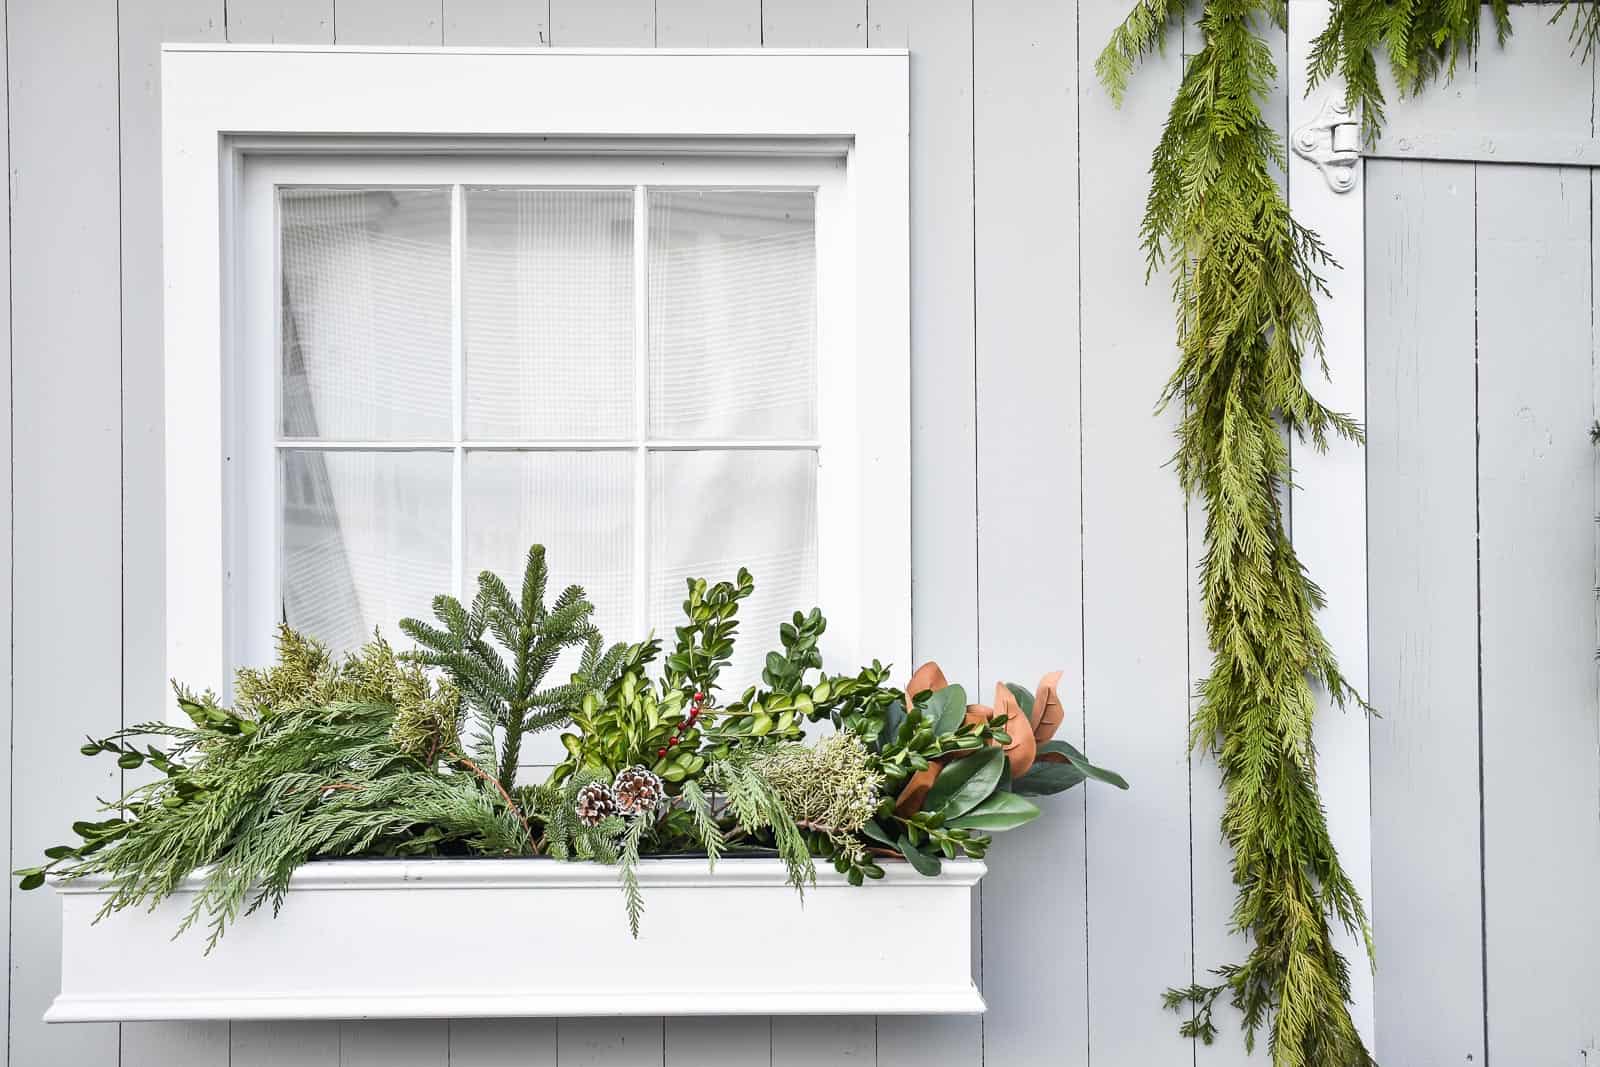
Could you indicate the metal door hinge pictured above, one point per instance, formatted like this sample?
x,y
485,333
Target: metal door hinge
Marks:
x,y
1332,140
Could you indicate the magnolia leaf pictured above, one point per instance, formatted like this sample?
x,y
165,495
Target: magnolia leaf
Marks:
x,y
964,784
1024,698
1079,760
874,832
1003,811
1045,779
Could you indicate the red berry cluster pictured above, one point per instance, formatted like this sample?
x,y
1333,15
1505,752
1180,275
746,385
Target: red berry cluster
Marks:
x,y
677,734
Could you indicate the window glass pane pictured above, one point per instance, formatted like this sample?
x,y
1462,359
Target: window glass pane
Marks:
x,y
713,512
549,313
366,313
733,314
366,541
579,505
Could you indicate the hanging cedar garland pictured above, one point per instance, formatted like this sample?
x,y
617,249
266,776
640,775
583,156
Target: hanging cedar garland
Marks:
x,y
1245,279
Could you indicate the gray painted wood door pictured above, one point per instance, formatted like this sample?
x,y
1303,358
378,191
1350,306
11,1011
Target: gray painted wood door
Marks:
x,y
1481,345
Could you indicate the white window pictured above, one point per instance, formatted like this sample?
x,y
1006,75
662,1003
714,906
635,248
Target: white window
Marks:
x,y
661,330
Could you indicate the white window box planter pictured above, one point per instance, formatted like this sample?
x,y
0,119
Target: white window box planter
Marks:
x,y
462,938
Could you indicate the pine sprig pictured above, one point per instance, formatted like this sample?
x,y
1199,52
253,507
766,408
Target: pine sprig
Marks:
x,y
505,700
1245,281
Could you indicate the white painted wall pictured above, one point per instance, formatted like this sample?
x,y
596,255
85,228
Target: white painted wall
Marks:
x,y
1047,530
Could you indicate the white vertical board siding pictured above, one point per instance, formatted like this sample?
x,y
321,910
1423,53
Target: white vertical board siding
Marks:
x,y
1536,515
814,23
944,584
497,23
66,404
1135,582
1025,125
280,21
708,23
371,22
7,675
1421,395
603,23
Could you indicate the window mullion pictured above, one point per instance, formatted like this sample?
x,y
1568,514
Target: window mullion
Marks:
x,y
641,411
458,523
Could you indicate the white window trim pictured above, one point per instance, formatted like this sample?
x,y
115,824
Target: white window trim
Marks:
x,y
222,104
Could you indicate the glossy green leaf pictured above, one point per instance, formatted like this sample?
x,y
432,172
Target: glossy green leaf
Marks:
x,y
947,708
1002,811
923,863
875,832
964,783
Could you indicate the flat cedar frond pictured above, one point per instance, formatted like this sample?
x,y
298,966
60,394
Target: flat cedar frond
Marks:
x,y
1245,282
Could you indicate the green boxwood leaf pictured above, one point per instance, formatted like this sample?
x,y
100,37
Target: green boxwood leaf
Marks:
x,y
33,878
923,863
1077,759
1002,811
964,783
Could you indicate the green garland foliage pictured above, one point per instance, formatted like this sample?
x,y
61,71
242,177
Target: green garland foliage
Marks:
x,y
1245,278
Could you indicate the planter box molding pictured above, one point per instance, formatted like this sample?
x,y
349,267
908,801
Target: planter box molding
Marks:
x,y
370,939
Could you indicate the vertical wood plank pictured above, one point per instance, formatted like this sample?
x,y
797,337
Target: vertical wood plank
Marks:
x,y
603,23
402,22
1422,513
175,1045
944,477
1541,734
67,562
502,1043
814,23
618,1042
1135,582
497,23
280,21
284,1044
708,23
708,1041
1025,124
7,558
142,27
821,1041
394,1043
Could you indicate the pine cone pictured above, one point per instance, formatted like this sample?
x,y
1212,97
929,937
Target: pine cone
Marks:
x,y
594,803
638,790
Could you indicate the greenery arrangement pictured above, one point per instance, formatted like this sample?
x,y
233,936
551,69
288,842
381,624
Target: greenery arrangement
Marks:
x,y
1245,277
320,758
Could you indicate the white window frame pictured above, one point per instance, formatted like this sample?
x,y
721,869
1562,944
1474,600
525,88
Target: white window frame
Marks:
x,y
224,106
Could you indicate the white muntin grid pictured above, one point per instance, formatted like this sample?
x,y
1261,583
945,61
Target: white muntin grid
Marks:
x,y
640,442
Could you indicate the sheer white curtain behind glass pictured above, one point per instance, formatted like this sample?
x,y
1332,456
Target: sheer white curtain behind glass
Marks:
x,y
365,538
732,343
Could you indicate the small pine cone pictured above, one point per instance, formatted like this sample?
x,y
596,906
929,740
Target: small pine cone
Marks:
x,y
638,790
594,803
